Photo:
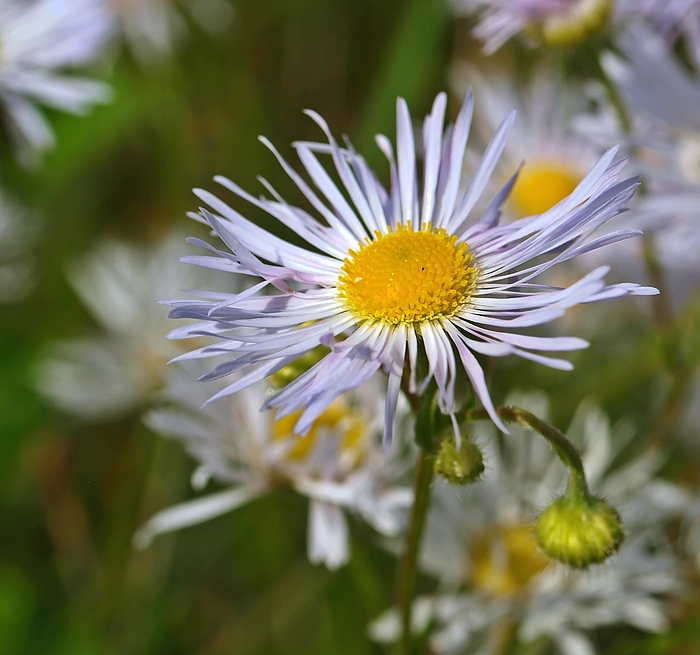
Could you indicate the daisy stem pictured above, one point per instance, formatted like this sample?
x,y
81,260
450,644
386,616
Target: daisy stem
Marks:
x,y
409,563
563,448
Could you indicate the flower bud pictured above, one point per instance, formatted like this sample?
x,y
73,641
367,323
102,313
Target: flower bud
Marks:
x,y
579,530
461,465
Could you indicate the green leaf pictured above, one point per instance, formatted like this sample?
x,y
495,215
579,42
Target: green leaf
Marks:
x,y
412,59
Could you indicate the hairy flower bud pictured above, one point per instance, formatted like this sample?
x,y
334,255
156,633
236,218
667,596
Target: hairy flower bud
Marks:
x,y
579,530
461,465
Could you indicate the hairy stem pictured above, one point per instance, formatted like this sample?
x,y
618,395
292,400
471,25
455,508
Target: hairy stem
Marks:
x,y
563,448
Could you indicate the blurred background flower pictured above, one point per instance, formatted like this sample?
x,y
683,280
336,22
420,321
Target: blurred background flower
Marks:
x,y
154,27
339,464
119,370
38,41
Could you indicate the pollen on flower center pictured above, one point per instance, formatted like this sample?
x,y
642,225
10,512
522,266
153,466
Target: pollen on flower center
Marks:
x,y
541,185
408,277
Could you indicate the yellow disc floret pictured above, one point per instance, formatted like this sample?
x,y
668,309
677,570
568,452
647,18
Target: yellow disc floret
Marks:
x,y
582,20
339,419
541,185
408,277
505,559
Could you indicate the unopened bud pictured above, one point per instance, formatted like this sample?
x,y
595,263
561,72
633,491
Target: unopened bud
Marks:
x,y
461,465
580,531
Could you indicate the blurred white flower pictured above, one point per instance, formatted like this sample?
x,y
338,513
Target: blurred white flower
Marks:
x,y
154,27
670,19
39,39
16,263
553,156
117,371
480,544
556,22
339,464
569,22
662,99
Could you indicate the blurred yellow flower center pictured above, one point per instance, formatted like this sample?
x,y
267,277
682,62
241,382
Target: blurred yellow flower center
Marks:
x,y
408,277
339,420
504,560
542,185
576,23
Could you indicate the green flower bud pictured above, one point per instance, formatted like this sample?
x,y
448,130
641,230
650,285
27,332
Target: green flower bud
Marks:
x,y
459,466
579,530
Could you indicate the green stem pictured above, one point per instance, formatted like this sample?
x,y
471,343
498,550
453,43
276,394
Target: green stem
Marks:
x,y
563,448
672,408
409,563
663,313
615,98
506,636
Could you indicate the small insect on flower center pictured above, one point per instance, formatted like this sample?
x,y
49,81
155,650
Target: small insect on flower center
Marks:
x,y
541,185
408,277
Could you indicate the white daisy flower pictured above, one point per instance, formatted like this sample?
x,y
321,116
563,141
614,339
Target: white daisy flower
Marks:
x,y
670,19
339,464
505,579
397,271
117,372
38,39
553,157
154,27
556,22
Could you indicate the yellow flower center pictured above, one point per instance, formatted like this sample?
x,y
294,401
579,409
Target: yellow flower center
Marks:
x,y
580,21
408,277
339,420
542,185
505,559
